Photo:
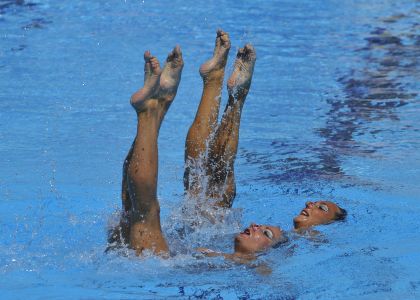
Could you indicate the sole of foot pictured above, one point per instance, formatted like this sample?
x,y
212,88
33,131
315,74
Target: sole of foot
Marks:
x,y
215,66
140,99
171,75
240,81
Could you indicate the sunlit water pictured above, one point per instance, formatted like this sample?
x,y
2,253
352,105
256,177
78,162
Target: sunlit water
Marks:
x,y
333,113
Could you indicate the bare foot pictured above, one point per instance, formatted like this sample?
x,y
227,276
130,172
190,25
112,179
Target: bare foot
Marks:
x,y
151,79
171,75
240,80
216,65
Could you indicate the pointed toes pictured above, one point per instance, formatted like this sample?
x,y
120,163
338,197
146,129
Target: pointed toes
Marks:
x,y
177,51
250,51
247,53
147,55
155,65
225,41
175,57
223,38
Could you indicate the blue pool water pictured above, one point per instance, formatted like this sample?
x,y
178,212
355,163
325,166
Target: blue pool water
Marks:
x,y
333,113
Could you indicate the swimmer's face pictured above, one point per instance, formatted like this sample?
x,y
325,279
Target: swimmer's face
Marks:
x,y
257,238
316,213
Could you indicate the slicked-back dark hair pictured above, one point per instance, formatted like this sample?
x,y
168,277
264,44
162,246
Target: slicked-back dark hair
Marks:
x,y
284,239
341,214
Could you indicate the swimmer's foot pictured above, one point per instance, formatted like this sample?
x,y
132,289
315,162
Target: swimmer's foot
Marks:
x,y
152,71
240,80
171,75
214,67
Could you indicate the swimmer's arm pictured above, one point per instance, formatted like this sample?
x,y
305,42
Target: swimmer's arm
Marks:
x,y
231,256
211,253
262,268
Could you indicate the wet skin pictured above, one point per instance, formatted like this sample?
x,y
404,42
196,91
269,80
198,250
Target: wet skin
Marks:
x,y
257,238
210,145
140,227
316,213
254,239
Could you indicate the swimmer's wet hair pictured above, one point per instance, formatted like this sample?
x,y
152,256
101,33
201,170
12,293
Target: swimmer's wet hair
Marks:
x,y
284,239
341,214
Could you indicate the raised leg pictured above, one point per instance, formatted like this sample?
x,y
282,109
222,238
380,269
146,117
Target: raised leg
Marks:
x,y
169,81
145,231
119,234
139,194
212,73
125,196
224,146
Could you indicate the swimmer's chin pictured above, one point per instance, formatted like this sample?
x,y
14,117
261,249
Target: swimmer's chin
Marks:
x,y
301,222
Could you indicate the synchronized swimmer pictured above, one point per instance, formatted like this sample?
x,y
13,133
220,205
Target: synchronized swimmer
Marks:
x,y
210,146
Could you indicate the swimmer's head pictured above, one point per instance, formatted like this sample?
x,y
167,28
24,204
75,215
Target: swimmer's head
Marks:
x,y
257,238
317,213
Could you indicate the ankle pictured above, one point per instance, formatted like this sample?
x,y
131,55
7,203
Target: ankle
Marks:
x,y
214,77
